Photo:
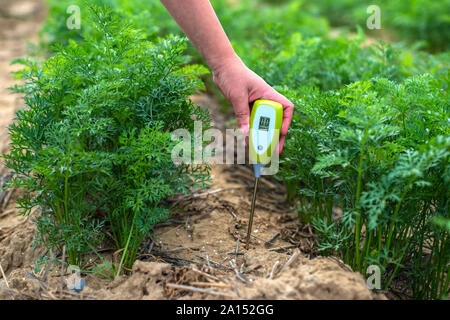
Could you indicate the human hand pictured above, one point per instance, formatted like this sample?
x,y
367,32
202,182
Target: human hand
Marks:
x,y
241,86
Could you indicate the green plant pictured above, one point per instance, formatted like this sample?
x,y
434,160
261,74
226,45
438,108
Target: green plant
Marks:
x,y
379,150
420,20
247,20
92,147
427,21
294,61
340,13
149,16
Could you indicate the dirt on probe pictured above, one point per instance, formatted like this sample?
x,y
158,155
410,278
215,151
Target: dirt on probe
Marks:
x,y
199,253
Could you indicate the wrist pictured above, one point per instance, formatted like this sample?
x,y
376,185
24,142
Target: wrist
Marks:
x,y
225,62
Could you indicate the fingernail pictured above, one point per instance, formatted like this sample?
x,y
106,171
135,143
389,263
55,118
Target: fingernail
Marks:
x,y
244,129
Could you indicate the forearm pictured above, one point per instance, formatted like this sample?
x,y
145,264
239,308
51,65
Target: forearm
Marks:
x,y
239,85
199,22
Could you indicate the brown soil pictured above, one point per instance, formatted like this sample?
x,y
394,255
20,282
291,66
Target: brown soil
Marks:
x,y
320,278
195,248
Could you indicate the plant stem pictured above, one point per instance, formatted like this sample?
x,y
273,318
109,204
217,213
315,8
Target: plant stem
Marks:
x,y
125,251
366,248
394,217
358,195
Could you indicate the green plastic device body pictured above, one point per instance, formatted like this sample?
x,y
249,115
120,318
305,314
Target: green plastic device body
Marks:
x,y
265,124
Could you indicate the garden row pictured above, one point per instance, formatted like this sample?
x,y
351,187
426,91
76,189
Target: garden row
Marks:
x,y
369,139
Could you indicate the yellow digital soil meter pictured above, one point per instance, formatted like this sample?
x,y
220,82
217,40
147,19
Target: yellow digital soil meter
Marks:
x,y
265,125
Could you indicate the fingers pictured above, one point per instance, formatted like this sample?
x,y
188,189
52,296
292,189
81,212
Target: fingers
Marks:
x,y
288,109
281,144
242,112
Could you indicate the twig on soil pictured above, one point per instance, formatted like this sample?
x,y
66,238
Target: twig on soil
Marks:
x,y
151,246
340,263
290,260
47,268
257,297
230,212
274,268
171,260
282,248
207,275
239,275
5,213
190,288
211,284
4,276
8,195
276,235
207,260
261,239
223,260
215,264
37,294
41,284
309,229
33,277
236,253
236,289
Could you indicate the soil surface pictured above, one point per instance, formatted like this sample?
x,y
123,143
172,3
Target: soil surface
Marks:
x,y
198,254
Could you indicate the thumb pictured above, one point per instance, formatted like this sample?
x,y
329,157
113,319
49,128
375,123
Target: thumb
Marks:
x,y
242,112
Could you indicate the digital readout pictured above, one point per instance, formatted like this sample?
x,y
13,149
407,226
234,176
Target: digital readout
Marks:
x,y
264,123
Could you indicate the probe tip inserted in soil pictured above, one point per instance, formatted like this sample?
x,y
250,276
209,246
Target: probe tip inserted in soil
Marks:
x,y
252,212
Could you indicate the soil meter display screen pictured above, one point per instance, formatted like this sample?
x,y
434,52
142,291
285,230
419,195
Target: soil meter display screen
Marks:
x,y
264,123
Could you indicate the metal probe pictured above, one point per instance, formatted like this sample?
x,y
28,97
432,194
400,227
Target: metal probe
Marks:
x,y
252,212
